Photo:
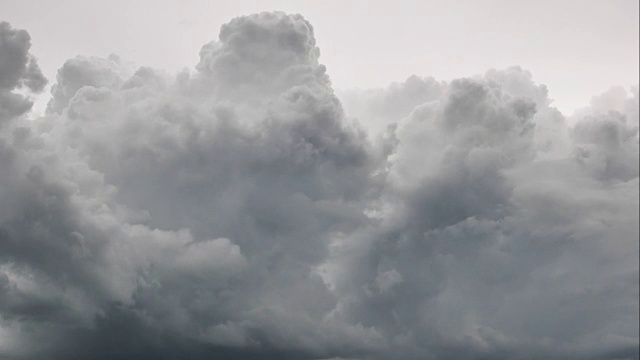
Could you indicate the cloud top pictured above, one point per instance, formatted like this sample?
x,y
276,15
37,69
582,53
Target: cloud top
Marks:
x,y
18,70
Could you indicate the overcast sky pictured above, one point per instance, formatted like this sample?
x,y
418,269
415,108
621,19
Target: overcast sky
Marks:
x,y
575,47
189,182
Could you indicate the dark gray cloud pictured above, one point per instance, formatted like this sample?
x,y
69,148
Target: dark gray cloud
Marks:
x,y
236,211
18,70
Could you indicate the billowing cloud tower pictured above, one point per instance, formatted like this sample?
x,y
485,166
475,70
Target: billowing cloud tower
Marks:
x,y
241,210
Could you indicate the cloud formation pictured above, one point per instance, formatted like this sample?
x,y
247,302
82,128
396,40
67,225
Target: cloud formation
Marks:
x,y
18,70
241,210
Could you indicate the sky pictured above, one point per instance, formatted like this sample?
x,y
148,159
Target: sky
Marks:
x,y
262,191
575,47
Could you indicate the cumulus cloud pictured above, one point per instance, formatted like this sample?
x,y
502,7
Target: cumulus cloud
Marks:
x,y
242,210
82,71
18,70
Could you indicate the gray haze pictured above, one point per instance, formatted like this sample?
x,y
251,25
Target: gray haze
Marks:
x,y
241,210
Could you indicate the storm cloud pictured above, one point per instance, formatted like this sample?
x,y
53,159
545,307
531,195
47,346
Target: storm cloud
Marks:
x,y
244,210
